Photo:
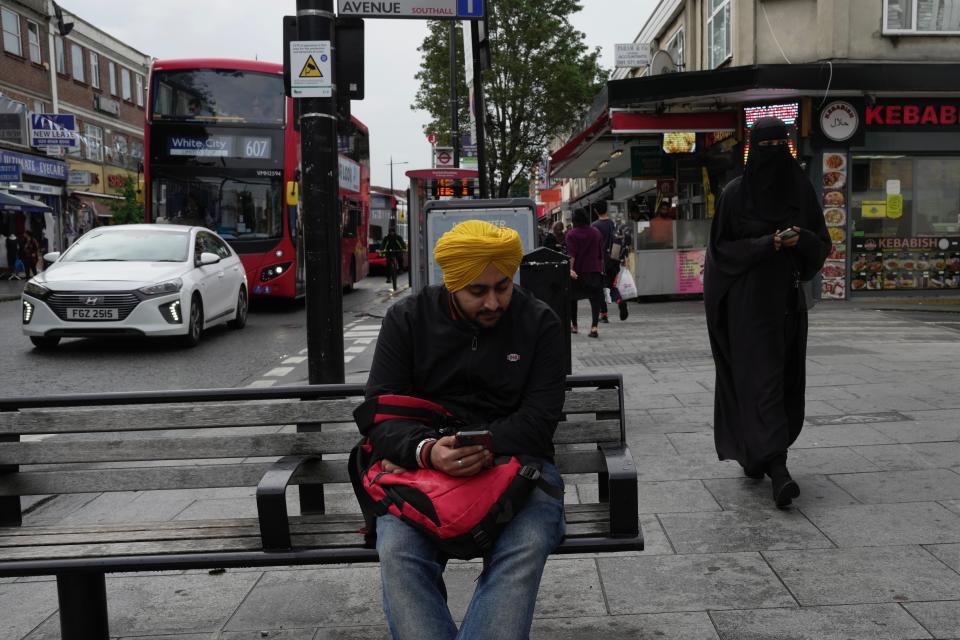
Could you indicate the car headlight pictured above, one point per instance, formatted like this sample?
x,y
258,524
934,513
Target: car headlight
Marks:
x,y
36,290
163,288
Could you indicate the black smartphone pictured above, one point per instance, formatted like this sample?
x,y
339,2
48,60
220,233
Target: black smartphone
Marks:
x,y
786,234
470,438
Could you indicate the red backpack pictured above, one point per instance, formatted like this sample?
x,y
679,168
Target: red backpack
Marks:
x,y
462,516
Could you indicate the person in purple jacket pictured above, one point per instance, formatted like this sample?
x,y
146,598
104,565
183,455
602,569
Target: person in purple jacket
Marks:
x,y
585,248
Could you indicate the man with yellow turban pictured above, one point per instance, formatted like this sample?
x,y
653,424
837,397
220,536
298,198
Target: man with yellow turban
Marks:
x,y
492,354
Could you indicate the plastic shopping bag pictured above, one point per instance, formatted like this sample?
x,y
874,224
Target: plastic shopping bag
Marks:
x,y
626,284
606,296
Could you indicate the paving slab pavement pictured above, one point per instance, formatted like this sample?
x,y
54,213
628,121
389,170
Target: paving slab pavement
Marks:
x,y
870,549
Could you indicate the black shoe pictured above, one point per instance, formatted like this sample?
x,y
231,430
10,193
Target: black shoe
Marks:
x,y
603,318
785,489
624,311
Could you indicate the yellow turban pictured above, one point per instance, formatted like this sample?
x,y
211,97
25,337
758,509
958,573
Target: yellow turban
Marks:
x,y
465,251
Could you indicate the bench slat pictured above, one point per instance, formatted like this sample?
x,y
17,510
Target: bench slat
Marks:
x,y
248,474
65,450
176,416
592,401
235,414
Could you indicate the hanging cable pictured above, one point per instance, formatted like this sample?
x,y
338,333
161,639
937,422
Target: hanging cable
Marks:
x,y
829,82
770,27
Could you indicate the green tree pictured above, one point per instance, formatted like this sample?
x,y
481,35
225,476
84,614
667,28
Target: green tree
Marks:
x,y
542,80
128,210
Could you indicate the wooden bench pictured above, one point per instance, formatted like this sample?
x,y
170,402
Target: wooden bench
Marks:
x,y
265,438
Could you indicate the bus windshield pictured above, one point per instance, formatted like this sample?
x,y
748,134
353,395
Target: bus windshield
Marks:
x,y
218,95
236,208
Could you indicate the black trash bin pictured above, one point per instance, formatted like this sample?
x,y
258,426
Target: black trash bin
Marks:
x,y
546,274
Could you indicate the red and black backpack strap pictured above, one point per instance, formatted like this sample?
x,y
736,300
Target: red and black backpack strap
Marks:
x,y
379,409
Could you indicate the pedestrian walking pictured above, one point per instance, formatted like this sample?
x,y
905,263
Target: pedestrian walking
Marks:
x,y
490,353
767,235
29,252
585,248
555,238
612,258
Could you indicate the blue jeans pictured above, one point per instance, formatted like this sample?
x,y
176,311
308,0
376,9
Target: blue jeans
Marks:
x,y
415,596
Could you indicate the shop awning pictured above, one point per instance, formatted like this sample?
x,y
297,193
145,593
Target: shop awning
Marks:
x,y
636,110
15,204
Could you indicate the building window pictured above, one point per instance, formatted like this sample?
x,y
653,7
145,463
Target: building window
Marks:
x,y
33,36
58,51
93,136
718,33
39,107
94,70
125,84
136,152
112,72
76,61
139,83
121,152
675,48
921,17
11,32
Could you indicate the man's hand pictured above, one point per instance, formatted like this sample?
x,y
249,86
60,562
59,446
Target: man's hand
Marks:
x,y
462,462
573,274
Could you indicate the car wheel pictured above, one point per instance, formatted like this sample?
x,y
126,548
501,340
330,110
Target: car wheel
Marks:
x,y
45,342
195,325
240,320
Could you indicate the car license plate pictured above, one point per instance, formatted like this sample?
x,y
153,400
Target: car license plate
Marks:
x,y
92,313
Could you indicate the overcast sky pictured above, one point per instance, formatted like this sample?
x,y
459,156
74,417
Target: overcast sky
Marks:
x,y
252,28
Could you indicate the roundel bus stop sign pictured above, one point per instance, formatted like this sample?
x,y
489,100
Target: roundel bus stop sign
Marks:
x,y
443,158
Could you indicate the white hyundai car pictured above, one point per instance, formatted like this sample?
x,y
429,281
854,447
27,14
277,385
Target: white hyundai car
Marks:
x,y
136,280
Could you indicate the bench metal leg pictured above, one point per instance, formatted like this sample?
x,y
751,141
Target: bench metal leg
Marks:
x,y
10,515
311,495
83,606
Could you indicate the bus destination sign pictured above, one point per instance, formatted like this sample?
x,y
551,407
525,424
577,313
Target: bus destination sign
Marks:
x,y
244,147
423,9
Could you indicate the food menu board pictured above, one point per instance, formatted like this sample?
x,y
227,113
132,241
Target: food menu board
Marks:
x,y
905,263
689,266
835,181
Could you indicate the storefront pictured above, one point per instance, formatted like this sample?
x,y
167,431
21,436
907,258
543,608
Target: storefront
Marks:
x,y
885,163
891,193
37,178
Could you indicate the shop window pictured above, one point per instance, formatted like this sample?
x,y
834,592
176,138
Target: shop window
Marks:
x,y
76,61
112,77
718,33
93,137
11,32
139,84
94,70
33,37
60,55
136,151
921,17
675,48
125,84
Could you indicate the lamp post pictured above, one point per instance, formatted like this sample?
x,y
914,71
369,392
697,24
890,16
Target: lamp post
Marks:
x,y
393,197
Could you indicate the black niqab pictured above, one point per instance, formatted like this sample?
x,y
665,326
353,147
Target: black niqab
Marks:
x,y
772,180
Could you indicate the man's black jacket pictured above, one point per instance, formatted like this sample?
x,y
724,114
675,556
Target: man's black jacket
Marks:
x,y
508,379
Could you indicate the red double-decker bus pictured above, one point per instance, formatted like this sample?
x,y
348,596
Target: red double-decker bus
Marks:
x,y
222,151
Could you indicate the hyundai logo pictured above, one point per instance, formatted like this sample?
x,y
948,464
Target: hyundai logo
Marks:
x,y
91,300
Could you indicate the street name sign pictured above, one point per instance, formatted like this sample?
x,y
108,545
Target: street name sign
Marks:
x,y
311,66
423,9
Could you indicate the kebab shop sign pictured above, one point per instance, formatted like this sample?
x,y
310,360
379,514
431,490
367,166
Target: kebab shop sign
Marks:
x,y
912,115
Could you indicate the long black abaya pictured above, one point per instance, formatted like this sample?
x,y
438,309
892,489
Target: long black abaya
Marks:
x,y
757,335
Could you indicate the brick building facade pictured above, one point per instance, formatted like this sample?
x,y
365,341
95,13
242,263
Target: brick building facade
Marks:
x,y
86,73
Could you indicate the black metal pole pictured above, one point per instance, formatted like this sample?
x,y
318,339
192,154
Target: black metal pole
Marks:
x,y
480,109
321,209
454,111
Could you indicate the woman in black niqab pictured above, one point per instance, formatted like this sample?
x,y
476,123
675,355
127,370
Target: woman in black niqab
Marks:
x,y
757,333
